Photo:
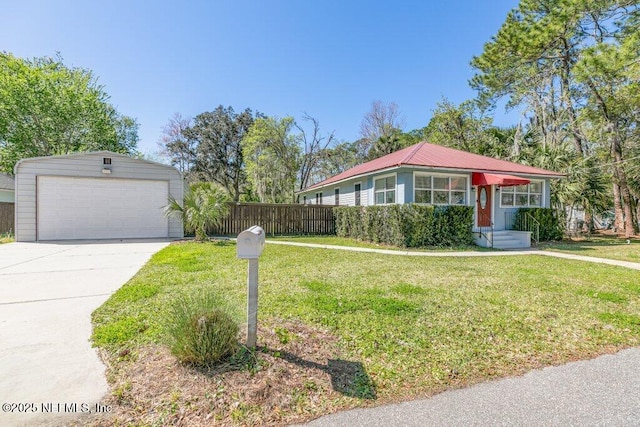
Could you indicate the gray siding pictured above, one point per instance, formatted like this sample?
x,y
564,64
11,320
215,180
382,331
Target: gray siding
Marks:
x,y
405,193
7,196
85,165
347,193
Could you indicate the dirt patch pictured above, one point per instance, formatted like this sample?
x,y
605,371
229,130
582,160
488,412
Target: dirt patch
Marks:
x,y
296,374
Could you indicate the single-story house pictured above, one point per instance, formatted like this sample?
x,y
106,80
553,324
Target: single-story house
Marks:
x,y
7,186
436,175
96,195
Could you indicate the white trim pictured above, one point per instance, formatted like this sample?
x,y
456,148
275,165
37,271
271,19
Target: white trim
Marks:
x,y
447,175
497,172
395,189
494,208
542,196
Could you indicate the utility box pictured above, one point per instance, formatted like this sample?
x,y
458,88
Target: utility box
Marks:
x,y
250,243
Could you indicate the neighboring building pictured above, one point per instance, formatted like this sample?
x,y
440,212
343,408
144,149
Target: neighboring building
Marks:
x,y
7,187
98,195
432,174
7,207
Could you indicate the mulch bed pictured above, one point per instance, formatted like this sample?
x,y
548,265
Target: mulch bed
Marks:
x,y
295,375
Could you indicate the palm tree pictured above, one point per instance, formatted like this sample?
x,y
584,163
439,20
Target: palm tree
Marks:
x,y
593,195
204,206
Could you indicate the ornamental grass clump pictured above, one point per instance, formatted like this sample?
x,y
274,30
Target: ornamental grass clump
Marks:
x,y
199,333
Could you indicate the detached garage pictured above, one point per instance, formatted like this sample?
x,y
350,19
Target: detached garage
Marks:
x,y
99,195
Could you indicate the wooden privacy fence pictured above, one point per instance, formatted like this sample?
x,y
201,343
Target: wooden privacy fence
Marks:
x,y
6,217
278,219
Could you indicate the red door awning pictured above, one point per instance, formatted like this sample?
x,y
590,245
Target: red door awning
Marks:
x,y
479,178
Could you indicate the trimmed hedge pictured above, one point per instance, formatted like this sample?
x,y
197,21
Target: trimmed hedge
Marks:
x,y
407,225
550,228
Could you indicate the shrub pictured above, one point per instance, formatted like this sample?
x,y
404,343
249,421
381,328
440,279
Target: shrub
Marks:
x,y
204,206
200,334
550,228
407,225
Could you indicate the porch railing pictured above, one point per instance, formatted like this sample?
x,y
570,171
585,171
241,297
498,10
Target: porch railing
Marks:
x,y
525,222
485,229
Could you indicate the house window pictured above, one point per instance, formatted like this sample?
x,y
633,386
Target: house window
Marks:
x,y
304,200
529,195
357,194
385,190
106,160
440,189
336,193
318,198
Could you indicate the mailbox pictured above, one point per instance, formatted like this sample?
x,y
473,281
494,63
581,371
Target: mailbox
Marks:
x,y
250,243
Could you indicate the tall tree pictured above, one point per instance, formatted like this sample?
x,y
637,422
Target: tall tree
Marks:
x,y
47,108
531,60
173,143
334,160
609,72
272,155
464,127
313,143
380,126
219,158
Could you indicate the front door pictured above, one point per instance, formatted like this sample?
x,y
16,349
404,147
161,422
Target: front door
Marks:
x,y
483,206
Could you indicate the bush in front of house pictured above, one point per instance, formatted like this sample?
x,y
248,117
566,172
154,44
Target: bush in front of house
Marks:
x,y
407,225
550,228
200,334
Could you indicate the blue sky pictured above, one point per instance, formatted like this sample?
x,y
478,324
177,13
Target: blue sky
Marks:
x,y
330,59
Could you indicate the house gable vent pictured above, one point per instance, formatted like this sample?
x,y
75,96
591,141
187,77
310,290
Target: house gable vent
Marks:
x,y
106,160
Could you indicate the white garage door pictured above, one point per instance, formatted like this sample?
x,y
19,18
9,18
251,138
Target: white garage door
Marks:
x,y
92,208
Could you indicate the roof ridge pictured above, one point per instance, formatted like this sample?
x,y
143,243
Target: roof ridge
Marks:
x,y
419,145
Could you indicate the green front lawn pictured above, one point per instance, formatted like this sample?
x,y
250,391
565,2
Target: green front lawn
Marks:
x,y
417,326
601,246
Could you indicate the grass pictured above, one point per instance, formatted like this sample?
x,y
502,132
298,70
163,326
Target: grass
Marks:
x,y
601,246
345,241
415,326
6,238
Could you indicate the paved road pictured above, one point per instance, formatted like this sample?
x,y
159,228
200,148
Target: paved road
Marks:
x,y
47,294
600,392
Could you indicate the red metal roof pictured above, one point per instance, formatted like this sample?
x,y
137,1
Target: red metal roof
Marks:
x,y
434,156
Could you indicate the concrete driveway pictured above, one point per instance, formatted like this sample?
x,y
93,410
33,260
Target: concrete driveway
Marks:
x,y
48,370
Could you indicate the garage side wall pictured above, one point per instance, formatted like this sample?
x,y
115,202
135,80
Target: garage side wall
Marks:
x,y
88,165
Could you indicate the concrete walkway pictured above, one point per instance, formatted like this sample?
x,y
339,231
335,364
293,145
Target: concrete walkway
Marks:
x,y
627,264
47,294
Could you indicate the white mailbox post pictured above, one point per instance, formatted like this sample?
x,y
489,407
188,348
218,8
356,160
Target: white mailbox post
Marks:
x,y
250,244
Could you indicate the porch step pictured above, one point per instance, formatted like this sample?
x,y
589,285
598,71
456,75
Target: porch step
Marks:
x,y
507,240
